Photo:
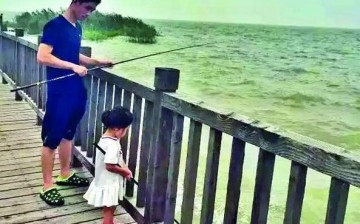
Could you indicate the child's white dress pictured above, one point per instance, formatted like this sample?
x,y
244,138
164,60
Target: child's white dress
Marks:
x,y
107,187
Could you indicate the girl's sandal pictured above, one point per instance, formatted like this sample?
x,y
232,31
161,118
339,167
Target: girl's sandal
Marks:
x,y
52,197
72,180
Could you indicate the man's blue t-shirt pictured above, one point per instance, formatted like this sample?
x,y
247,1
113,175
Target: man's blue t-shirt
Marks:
x,y
65,39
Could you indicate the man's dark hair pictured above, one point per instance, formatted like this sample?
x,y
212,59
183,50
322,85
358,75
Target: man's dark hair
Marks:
x,y
86,1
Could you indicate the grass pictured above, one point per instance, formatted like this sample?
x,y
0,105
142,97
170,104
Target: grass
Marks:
x,y
97,27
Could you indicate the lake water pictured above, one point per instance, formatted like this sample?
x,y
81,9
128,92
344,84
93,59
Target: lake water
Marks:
x,y
306,80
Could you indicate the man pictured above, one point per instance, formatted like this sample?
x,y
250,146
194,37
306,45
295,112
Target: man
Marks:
x,y
59,50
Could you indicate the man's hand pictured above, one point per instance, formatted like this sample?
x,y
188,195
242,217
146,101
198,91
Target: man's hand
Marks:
x,y
81,70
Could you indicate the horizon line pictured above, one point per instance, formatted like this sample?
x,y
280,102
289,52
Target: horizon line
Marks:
x,y
223,22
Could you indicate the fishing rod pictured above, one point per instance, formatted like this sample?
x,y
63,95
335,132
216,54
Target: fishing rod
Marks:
x,y
104,66
132,179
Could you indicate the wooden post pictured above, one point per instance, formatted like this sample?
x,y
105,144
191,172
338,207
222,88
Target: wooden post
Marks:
x,y
39,39
4,81
338,195
3,26
166,80
82,126
87,52
18,33
39,95
1,20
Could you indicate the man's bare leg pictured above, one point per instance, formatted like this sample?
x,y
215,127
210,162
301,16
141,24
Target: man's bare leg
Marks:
x,y
65,157
47,162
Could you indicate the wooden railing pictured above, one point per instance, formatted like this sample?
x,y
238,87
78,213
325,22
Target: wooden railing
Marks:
x,y
154,143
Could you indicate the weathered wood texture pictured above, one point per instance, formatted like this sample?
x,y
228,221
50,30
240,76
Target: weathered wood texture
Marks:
x,y
21,178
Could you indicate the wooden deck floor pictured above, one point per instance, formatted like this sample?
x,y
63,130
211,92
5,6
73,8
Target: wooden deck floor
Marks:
x,y
20,173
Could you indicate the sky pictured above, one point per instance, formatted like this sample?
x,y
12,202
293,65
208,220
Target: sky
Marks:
x,y
324,13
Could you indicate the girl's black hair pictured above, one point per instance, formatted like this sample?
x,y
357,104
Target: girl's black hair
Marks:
x,y
86,1
118,117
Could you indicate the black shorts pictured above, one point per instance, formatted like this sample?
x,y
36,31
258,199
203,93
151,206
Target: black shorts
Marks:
x,y
62,116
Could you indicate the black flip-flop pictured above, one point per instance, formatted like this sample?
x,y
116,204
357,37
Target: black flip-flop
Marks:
x,y
73,180
52,197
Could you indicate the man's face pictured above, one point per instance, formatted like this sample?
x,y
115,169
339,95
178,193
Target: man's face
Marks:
x,y
83,10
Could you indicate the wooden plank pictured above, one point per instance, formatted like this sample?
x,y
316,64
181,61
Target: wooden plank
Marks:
x,y
192,161
9,142
30,182
22,135
100,110
26,191
132,210
23,165
25,97
122,218
25,154
10,103
109,96
311,153
144,153
20,148
296,190
34,176
336,208
118,96
16,201
124,140
92,117
43,87
23,111
84,123
24,79
10,173
134,143
160,164
34,160
4,128
234,181
38,79
81,215
25,119
212,165
16,130
84,160
32,71
264,175
150,211
174,165
48,214
37,206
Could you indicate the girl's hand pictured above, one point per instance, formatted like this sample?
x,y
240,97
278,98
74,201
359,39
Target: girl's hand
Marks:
x,y
129,175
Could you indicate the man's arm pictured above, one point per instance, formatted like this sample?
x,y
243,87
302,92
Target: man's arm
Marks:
x,y
45,57
85,60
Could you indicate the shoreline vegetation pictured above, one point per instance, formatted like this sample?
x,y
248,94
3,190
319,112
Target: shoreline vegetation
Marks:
x,y
98,27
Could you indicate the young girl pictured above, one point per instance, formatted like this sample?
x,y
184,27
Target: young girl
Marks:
x,y
107,188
